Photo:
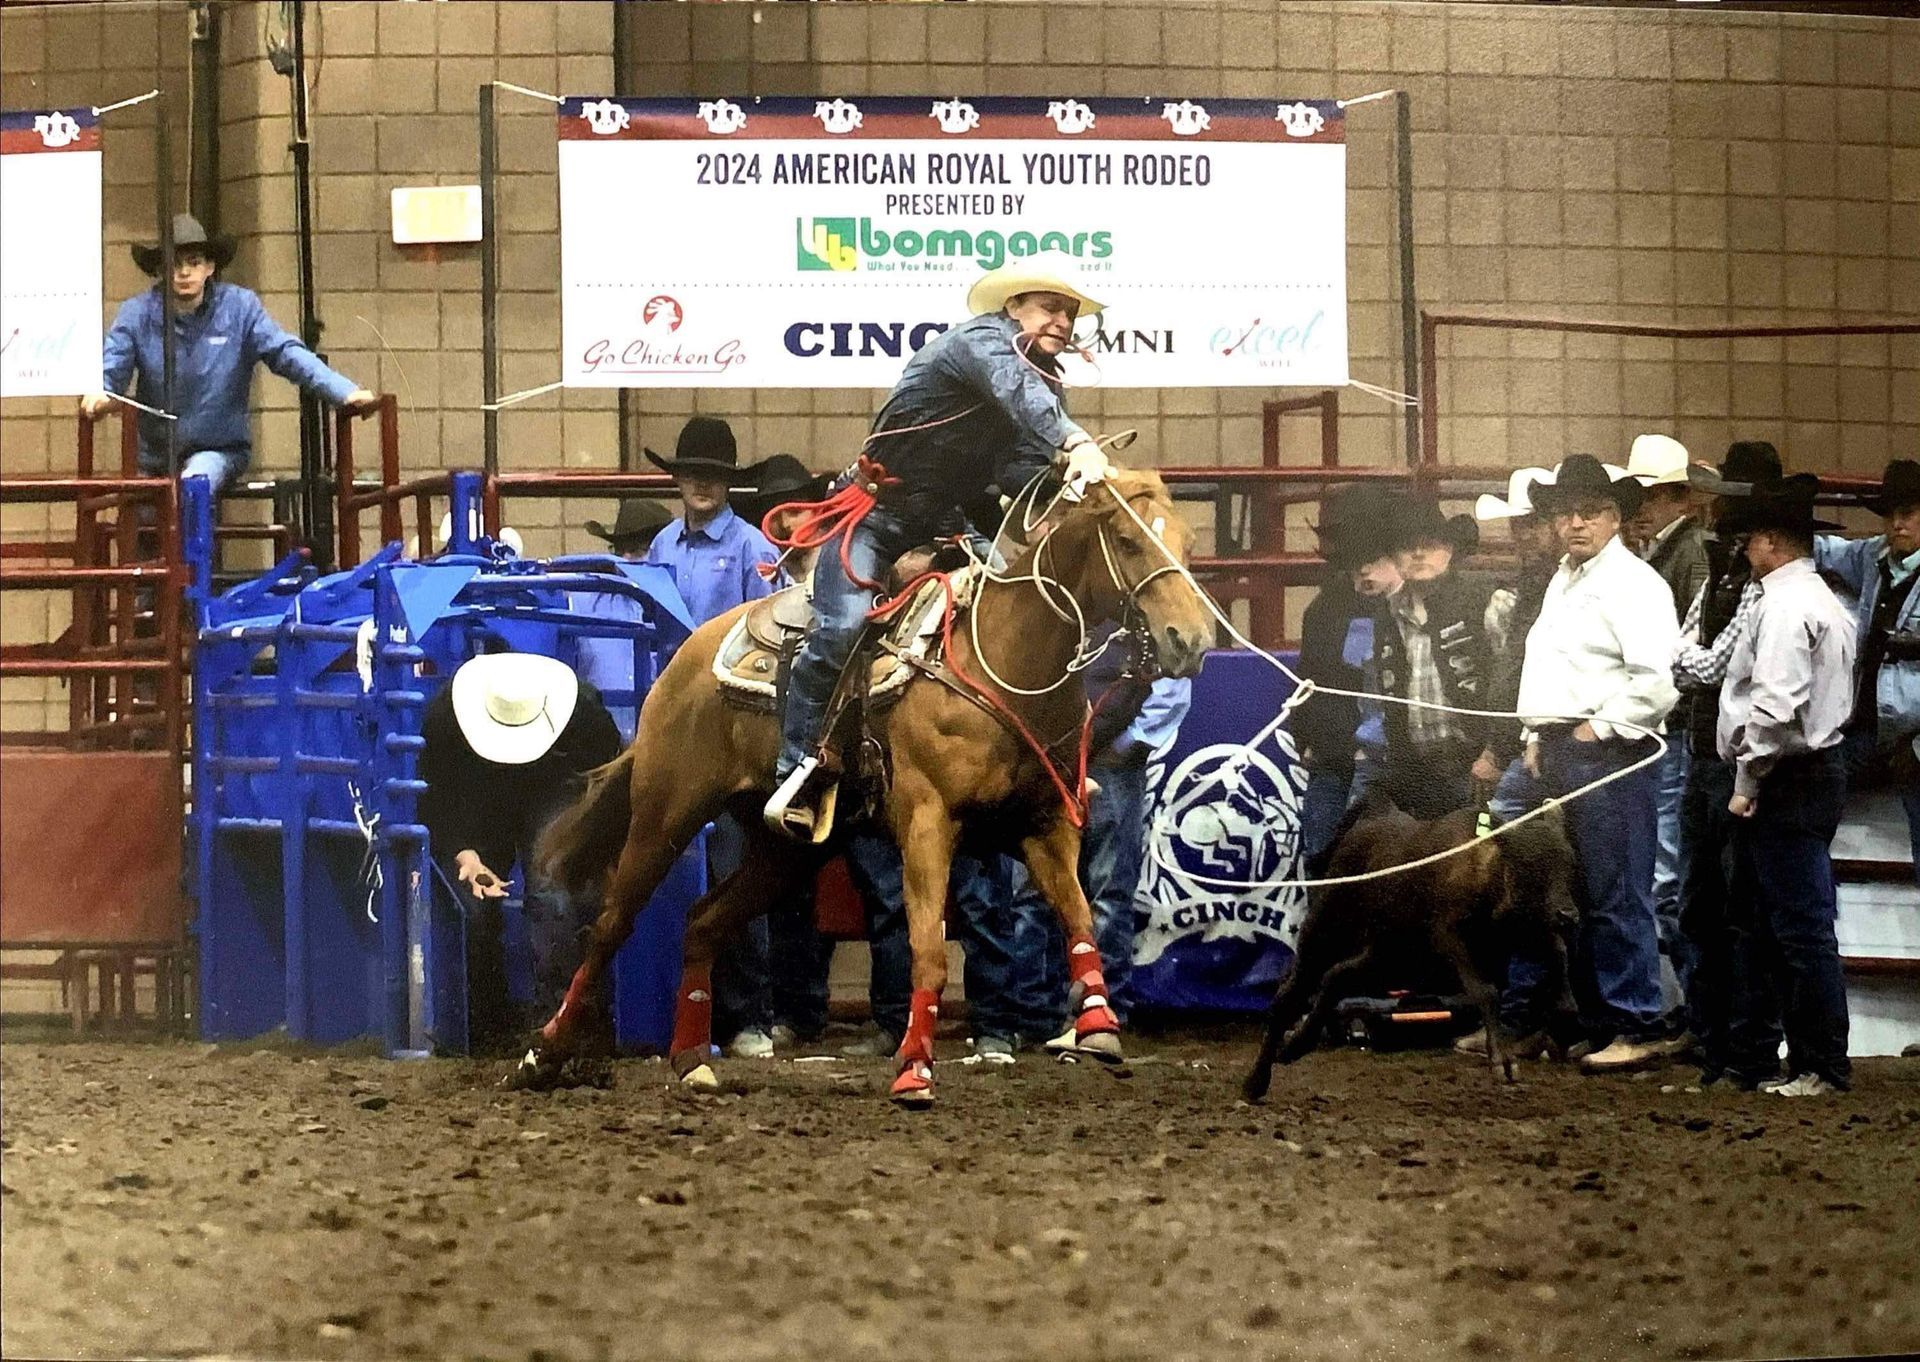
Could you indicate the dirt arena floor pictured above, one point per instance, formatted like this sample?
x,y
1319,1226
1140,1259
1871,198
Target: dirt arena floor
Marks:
x,y
178,1200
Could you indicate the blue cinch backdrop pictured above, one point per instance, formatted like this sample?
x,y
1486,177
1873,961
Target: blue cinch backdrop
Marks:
x,y
1203,945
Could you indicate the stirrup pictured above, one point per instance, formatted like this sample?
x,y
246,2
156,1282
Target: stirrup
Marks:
x,y
791,814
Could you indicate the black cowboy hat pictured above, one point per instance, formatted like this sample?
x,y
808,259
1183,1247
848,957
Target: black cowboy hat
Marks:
x,y
1353,521
1417,519
1747,462
705,449
1899,486
639,520
1776,504
1581,477
187,234
775,480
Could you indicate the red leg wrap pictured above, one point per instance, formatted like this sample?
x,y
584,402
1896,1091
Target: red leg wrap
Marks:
x,y
923,1011
1092,1012
569,1006
693,1012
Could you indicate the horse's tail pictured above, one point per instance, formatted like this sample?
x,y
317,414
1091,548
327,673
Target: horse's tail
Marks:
x,y
586,838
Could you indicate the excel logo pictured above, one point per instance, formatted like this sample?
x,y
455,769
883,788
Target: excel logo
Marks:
x,y
827,244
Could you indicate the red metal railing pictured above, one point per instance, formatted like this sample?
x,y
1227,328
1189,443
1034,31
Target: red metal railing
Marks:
x,y
349,501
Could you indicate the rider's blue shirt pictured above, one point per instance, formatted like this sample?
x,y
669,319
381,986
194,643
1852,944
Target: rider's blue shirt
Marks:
x,y
1013,421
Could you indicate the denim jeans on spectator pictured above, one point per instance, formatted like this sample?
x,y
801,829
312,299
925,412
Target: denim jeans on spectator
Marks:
x,y
1112,852
1616,964
979,894
219,467
1710,942
1669,860
1783,893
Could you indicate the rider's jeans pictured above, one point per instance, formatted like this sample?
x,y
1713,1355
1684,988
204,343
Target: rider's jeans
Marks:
x,y
840,608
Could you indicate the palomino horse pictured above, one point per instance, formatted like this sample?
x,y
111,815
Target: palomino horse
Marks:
x,y
957,767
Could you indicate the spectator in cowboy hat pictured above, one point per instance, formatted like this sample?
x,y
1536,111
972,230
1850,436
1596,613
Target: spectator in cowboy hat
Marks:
x,y
1433,647
608,663
1511,611
1674,544
1335,734
716,558
221,331
1716,620
1788,694
506,742
638,520
1880,572
1602,648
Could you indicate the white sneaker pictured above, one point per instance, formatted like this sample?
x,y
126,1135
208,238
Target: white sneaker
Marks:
x,y
752,1043
1622,1056
994,1049
1771,1084
1064,1043
784,1037
1806,1085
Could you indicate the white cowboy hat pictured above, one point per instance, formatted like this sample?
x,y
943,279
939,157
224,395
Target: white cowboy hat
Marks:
x,y
1519,499
513,707
443,535
1042,272
1657,460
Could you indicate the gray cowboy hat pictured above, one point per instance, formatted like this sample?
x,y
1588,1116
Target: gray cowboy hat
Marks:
x,y
187,234
705,449
639,518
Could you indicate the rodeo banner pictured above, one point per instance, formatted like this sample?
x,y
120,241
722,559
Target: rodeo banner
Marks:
x,y
1215,921
818,243
50,324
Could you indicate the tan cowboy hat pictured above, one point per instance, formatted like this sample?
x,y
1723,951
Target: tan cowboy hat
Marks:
x,y
1519,499
513,707
1042,272
1658,461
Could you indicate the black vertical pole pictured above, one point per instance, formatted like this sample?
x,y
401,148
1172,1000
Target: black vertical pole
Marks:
x,y
1409,299
489,286
316,519
163,212
203,120
623,64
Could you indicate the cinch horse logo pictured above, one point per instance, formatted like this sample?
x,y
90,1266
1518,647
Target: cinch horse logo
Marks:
x,y
837,116
955,115
1113,553
1186,118
1070,116
605,117
722,116
1302,120
56,129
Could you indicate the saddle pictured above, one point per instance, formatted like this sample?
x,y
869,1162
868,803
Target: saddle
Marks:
x,y
750,664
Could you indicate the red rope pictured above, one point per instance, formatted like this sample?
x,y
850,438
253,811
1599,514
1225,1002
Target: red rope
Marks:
x,y
1074,801
821,522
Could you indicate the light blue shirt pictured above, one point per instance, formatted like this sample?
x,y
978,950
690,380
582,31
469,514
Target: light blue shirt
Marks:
x,y
716,566
215,347
1158,722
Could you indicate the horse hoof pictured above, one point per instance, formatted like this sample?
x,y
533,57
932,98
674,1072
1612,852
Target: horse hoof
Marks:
x,y
913,1089
1101,1045
701,1078
1254,1088
536,1072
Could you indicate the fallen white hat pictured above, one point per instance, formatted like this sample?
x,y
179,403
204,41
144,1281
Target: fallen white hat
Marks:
x,y
1657,460
1041,272
443,534
513,707
1519,499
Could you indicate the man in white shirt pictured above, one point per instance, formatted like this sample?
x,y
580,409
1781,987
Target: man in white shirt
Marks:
x,y
1602,649
1787,698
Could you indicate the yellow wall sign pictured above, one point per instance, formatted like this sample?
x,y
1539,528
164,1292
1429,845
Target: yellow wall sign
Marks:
x,y
435,213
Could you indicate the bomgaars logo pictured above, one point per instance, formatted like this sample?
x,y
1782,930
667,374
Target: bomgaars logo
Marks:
x,y
1070,116
837,116
56,129
861,340
605,117
1186,118
844,244
722,116
662,312
955,115
1222,844
1302,120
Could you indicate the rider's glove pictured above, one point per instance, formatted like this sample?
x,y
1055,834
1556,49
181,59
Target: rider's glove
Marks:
x,y
1086,464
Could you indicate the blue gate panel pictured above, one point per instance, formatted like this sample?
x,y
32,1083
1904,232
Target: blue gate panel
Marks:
x,y
646,972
